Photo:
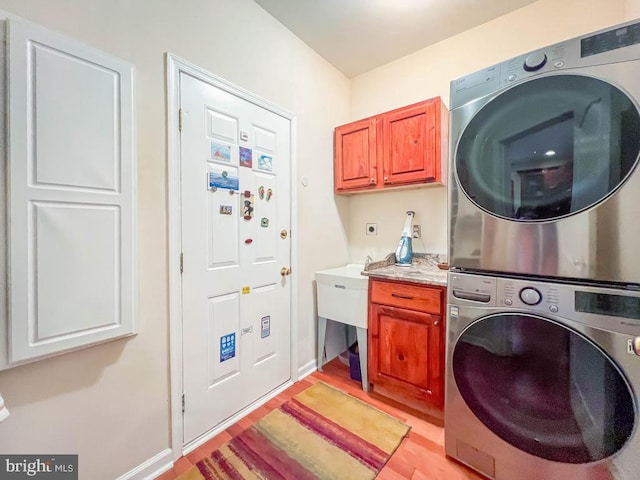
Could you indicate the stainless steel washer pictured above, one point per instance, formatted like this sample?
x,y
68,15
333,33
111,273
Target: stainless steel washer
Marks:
x,y
542,379
544,162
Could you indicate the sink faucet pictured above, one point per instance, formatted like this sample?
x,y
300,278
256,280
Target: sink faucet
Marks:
x,y
367,262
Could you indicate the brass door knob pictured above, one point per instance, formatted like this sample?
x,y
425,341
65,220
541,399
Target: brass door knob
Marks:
x,y
284,271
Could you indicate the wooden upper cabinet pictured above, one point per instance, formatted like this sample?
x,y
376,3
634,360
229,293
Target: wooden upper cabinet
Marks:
x,y
406,146
355,155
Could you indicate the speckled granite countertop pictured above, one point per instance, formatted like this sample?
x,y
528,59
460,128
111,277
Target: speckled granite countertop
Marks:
x,y
423,269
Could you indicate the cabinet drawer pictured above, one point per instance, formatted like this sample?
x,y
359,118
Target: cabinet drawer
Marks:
x,y
414,297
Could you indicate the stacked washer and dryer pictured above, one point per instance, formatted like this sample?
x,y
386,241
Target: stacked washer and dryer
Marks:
x,y
543,321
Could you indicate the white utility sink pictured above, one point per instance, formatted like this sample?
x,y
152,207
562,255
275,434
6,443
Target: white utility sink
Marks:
x,y
342,295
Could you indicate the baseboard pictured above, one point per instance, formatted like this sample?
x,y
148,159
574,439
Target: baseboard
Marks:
x,y
307,369
152,468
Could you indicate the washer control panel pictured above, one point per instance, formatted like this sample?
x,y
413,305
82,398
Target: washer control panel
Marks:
x,y
548,59
542,297
613,45
600,306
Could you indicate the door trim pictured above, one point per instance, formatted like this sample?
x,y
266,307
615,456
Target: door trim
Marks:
x,y
174,66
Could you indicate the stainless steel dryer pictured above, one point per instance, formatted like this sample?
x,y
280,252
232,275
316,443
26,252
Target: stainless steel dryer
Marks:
x,y
542,379
544,162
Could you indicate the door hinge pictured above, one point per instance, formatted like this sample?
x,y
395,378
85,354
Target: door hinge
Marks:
x,y
181,263
180,120
183,403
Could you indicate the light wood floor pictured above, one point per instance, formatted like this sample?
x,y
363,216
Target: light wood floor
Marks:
x,y
419,457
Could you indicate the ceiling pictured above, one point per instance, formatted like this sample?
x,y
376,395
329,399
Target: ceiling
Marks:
x,y
356,36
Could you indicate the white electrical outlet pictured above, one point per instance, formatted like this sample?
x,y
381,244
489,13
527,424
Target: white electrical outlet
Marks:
x,y
372,228
417,231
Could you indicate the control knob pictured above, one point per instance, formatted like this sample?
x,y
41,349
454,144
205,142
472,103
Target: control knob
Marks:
x,y
535,61
530,296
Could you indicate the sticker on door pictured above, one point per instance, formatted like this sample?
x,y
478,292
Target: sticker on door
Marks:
x,y
227,347
265,330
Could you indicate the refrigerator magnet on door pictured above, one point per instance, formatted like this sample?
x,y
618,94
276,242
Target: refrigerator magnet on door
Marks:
x,y
265,162
220,153
246,157
222,180
247,208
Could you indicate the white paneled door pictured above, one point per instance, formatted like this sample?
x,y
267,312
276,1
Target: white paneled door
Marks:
x,y
236,288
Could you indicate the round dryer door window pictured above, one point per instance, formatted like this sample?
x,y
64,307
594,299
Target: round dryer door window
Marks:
x,y
544,388
549,148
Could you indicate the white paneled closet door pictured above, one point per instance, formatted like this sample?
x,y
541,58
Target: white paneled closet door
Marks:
x,y
72,183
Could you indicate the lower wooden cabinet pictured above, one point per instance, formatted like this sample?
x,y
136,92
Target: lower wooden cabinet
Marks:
x,y
406,343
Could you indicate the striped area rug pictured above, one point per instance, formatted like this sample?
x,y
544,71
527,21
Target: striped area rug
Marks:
x,y
321,433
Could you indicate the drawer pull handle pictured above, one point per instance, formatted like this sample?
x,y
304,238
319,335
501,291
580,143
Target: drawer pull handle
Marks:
x,y
406,297
340,286
436,323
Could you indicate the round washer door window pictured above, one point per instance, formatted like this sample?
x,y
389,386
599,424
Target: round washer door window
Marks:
x,y
548,148
543,388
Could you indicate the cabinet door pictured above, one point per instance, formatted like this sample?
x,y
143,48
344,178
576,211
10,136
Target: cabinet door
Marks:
x,y
409,144
355,156
72,195
406,352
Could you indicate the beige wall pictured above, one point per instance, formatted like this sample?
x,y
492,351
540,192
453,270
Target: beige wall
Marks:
x,y
110,403
427,74
632,9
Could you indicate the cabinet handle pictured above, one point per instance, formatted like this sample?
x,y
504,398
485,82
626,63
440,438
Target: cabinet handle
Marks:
x,y
373,180
435,323
386,179
406,297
